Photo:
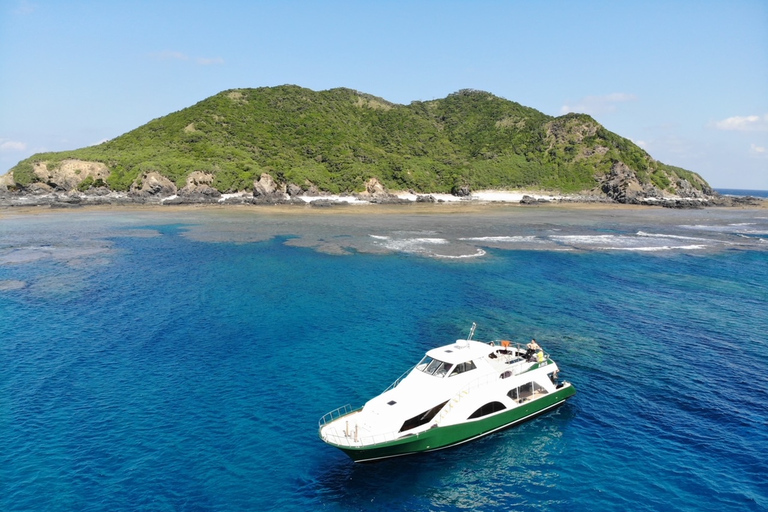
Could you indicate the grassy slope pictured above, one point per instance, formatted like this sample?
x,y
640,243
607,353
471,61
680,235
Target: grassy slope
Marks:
x,y
340,138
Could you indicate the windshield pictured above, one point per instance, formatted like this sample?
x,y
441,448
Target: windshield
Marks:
x,y
434,367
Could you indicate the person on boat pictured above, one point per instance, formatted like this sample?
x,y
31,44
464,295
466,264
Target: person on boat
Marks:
x,y
533,347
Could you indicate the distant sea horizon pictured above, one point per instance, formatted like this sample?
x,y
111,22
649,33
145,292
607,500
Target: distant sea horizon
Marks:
x,y
742,192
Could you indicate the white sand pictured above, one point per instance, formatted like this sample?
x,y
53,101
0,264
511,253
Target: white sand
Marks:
x,y
500,196
510,196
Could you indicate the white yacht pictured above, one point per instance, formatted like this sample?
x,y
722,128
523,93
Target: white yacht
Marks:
x,y
455,394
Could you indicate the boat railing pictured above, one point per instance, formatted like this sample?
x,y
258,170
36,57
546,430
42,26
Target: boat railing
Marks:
x,y
334,415
400,378
355,438
349,434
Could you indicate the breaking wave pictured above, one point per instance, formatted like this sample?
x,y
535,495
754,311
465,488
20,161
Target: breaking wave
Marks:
x,y
511,239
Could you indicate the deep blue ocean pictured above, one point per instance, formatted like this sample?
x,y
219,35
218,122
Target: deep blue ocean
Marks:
x,y
180,359
742,192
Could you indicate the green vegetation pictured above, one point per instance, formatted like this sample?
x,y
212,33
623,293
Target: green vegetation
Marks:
x,y
338,139
23,173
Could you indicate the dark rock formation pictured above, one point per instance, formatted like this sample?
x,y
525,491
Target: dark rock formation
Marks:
x,y
294,190
622,186
267,189
153,185
199,189
462,191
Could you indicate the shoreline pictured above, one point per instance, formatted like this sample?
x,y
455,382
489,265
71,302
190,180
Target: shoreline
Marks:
x,y
363,203
338,208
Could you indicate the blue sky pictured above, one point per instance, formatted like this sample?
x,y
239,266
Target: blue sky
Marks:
x,y
686,80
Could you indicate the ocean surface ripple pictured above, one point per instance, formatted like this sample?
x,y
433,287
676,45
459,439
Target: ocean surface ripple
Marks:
x,y
180,360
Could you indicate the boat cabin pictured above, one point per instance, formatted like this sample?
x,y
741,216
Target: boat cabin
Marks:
x,y
453,360
463,356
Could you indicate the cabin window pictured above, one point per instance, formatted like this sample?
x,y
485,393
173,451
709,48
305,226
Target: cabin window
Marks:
x,y
422,418
463,367
487,409
526,391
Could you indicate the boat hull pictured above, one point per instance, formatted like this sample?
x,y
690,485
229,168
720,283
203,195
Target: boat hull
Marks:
x,y
438,438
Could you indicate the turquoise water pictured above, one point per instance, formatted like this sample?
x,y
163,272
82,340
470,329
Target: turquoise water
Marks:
x,y
180,360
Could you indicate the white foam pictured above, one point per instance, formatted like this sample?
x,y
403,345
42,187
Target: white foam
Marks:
x,y
509,239
407,196
504,196
659,248
430,240
496,195
730,228
420,232
675,237
703,227
409,245
224,197
448,198
588,239
478,254
750,231
630,243
333,199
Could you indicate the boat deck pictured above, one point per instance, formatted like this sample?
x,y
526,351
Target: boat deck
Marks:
x,y
513,359
347,431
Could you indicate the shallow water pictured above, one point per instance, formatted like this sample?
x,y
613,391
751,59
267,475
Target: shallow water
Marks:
x,y
180,360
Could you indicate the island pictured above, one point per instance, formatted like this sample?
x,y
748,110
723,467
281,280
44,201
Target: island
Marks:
x,y
289,144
